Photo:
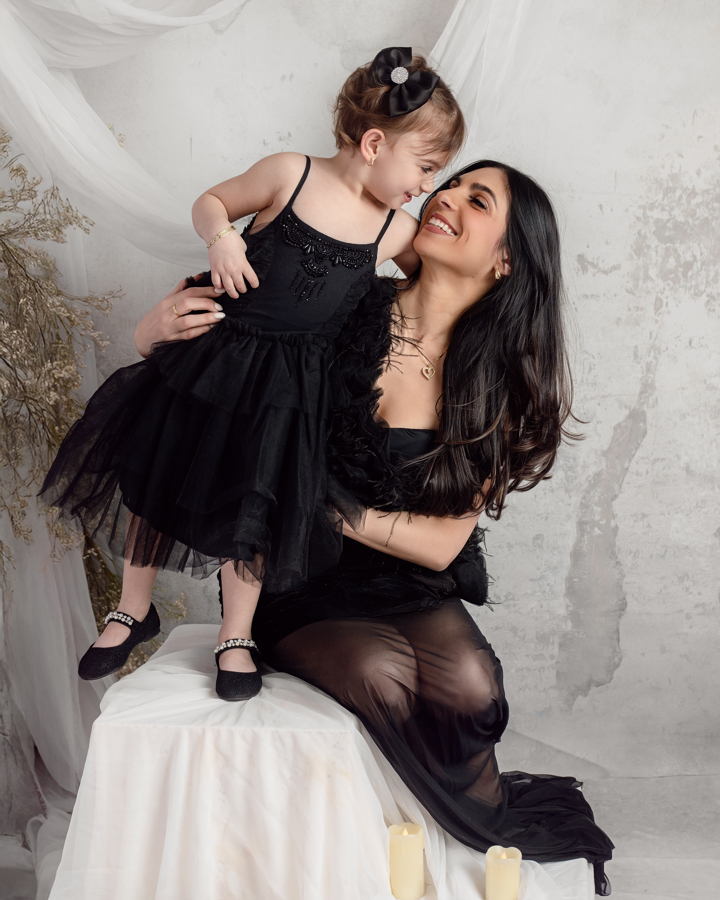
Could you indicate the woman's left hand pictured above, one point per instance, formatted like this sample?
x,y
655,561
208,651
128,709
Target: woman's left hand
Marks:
x,y
169,320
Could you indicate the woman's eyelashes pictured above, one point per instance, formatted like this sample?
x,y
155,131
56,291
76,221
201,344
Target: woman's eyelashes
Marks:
x,y
474,199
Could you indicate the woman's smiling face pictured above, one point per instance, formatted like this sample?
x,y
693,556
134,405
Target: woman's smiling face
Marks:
x,y
464,224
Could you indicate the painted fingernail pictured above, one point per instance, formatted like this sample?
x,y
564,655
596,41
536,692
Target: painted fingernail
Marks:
x,y
219,315
219,290
217,306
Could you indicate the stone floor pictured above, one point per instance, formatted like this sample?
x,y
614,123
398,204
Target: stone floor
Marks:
x,y
666,831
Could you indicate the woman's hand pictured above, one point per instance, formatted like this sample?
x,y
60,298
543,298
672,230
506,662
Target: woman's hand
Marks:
x,y
229,265
163,324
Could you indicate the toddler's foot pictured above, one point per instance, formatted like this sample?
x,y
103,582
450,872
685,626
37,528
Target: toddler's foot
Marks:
x,y
115,633
237,676
100,661
236,660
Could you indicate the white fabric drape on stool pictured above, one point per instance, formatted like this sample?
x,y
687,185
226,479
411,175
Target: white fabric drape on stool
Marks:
x,y
280,798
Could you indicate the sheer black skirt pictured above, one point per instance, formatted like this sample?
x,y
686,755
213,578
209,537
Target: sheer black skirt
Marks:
x,y
429,688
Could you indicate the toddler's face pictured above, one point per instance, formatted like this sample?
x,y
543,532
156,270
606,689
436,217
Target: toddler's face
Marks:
x,y
404,168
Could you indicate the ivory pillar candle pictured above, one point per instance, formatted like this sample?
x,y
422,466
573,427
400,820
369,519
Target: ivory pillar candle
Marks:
x,y
407,863
502,873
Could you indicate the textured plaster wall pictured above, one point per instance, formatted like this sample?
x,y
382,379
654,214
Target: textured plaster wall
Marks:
x,y
608,574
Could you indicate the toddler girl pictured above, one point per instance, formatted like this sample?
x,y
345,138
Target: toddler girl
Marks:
x,y
210,452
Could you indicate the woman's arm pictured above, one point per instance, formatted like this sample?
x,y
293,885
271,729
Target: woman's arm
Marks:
x,y
429,541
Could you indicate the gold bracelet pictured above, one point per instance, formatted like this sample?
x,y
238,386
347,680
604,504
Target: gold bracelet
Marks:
x,y
222,234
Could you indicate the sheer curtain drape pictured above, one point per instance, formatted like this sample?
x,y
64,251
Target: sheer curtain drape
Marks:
x,y
41,42
488,53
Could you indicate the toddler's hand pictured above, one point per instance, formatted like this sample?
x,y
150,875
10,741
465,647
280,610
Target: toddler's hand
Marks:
x,y
230,267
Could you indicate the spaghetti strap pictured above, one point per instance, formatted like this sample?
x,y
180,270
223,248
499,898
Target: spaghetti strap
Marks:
x,y
300,183
385,226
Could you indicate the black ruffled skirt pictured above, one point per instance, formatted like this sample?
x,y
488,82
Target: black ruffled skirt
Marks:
x,y
217,447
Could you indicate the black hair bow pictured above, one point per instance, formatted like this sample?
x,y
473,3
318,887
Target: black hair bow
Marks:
x,y
409,91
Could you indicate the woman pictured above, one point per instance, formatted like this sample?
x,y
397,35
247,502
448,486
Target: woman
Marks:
x,y
471,406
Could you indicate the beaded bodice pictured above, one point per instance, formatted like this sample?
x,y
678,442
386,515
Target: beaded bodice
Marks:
x,y
309,282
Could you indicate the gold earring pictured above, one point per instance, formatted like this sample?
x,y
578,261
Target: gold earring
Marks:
x,y
497,274
371,160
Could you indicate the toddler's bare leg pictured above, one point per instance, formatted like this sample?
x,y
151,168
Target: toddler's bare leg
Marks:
x,y
239,601
137,585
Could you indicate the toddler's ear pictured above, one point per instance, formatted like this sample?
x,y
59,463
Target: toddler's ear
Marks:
x,y
370,143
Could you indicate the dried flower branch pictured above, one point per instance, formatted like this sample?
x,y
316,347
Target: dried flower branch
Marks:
x,y
44,332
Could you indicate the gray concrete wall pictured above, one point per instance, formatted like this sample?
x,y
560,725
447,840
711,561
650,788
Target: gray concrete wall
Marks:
x,y
608,574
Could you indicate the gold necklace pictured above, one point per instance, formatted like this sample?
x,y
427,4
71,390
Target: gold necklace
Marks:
x,y
429,370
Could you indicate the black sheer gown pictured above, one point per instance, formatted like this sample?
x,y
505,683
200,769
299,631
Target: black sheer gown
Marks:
x,y
393,642
395,645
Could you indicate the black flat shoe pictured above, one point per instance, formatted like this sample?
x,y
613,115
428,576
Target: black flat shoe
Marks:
x,y
101,661
237,685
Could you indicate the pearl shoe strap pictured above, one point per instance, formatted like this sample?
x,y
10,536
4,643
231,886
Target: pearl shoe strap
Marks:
x,y
235,642
121,617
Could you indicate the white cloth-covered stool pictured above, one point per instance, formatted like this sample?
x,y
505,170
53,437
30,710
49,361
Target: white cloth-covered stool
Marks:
x,y
282,797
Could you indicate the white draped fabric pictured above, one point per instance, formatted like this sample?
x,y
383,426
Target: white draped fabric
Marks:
x,y
50,609
80,34
41,41
488,53
47,625
175,777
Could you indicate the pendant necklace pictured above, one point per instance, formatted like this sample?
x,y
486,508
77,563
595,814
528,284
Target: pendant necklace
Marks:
x,y
429,370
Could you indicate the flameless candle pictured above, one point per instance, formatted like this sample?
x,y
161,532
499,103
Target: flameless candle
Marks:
x,y
502,873
407,866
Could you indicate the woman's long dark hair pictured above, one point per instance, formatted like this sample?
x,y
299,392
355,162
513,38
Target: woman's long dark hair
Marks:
x,y
507,387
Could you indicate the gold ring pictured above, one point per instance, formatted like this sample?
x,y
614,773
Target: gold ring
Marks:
x,y
176,312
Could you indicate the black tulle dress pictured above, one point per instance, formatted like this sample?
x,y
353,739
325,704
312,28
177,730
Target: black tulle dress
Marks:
x,y
392,641
217,445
